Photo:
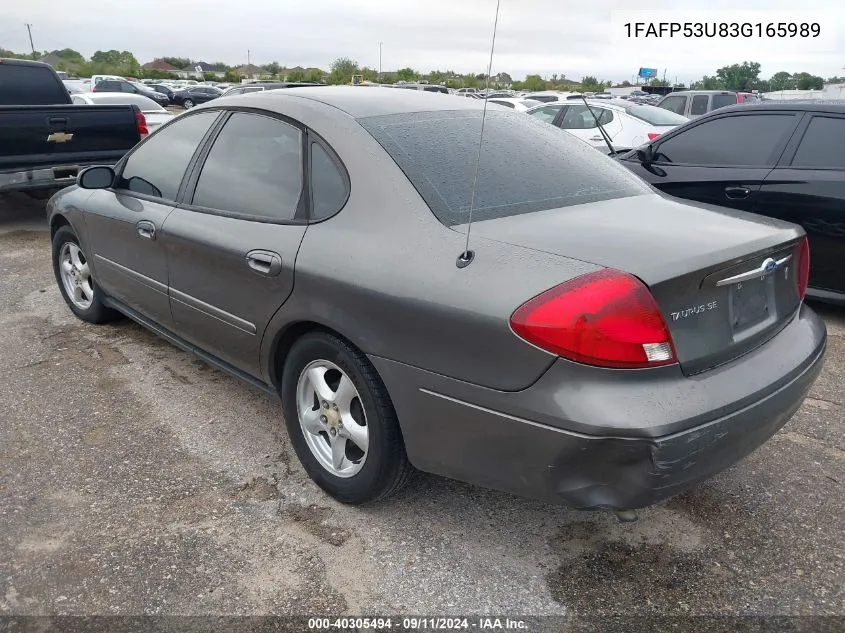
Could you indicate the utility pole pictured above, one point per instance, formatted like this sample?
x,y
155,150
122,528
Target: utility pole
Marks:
x,y
248,59
31,45
379,60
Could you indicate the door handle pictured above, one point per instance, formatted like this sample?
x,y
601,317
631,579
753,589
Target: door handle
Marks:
x,y
265,263
737,193
146,229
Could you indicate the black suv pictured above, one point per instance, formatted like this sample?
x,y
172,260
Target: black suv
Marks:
x,y
784,160
114,85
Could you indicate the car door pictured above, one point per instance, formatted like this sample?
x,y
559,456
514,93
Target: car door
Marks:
x,y
232,244
123,223
579,121
720,160
808,188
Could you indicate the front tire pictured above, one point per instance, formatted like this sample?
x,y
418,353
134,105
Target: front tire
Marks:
x,y
187,104
76,283
341,421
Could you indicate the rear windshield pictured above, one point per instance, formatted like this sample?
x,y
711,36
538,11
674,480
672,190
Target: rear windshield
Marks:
x,y
526,165
30,85
720,101
655,115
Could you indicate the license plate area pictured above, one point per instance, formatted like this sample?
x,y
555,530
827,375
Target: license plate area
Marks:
x,y
750,303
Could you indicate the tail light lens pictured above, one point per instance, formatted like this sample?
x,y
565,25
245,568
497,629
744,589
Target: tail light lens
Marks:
x,y
653,135
141,120
607,318
802,276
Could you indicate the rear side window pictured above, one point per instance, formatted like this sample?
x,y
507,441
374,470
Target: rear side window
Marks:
x,y
748,141
823,144
526,165
699,104
674,104
546,113
720,101
157,167
30,85
254,168
328,185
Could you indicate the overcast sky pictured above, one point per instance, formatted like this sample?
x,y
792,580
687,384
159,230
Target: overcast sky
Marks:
x,y
534,36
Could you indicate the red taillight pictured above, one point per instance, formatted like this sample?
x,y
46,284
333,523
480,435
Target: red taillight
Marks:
x,y
143,130
802,276
653,135
606,318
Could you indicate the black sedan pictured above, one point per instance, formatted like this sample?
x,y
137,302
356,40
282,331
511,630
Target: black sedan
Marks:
x,y
164,89
131,87
190,97
782,160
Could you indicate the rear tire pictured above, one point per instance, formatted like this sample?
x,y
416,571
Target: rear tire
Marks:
x,y
361,475
75,280
187,104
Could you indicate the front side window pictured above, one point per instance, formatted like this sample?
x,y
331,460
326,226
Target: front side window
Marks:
x,y
748,141
157,167
254,168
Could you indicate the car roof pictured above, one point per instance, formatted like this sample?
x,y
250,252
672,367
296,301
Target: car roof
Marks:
x,y
700,92
357,102
830,105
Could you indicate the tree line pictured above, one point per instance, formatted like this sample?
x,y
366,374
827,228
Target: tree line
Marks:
x,y
743,76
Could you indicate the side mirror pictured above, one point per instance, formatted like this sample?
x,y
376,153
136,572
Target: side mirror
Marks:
x,y
98,177
645,154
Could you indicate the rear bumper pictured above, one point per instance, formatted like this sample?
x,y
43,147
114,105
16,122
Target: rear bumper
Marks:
x,y
492,439
55,177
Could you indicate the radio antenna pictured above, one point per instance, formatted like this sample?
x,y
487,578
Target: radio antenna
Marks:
x,y
465,258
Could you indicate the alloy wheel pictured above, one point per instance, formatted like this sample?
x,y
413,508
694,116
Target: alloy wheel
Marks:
x,y
332,418
76,276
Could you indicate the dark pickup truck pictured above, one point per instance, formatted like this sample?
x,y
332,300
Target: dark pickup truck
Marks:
x,y
45,140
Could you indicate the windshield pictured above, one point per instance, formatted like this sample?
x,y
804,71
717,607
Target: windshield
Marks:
x,y
526,165
655,115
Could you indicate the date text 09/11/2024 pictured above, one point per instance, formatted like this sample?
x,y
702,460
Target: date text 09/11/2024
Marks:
x,y
722,29
416,624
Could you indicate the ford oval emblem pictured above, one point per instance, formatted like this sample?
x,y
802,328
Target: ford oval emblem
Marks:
x,y
769,265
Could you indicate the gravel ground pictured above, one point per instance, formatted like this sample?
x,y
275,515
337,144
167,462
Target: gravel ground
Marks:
x,y
135,479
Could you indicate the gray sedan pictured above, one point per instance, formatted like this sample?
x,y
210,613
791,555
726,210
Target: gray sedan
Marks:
x,y
596,344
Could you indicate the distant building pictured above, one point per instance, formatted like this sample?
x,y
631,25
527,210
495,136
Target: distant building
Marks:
x,y
828,91
158,64
250,71
200,70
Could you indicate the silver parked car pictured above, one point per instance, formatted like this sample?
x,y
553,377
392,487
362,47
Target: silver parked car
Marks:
x,y
154,114
598,344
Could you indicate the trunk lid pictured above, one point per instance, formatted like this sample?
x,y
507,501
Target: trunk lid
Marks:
x,y
725,280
